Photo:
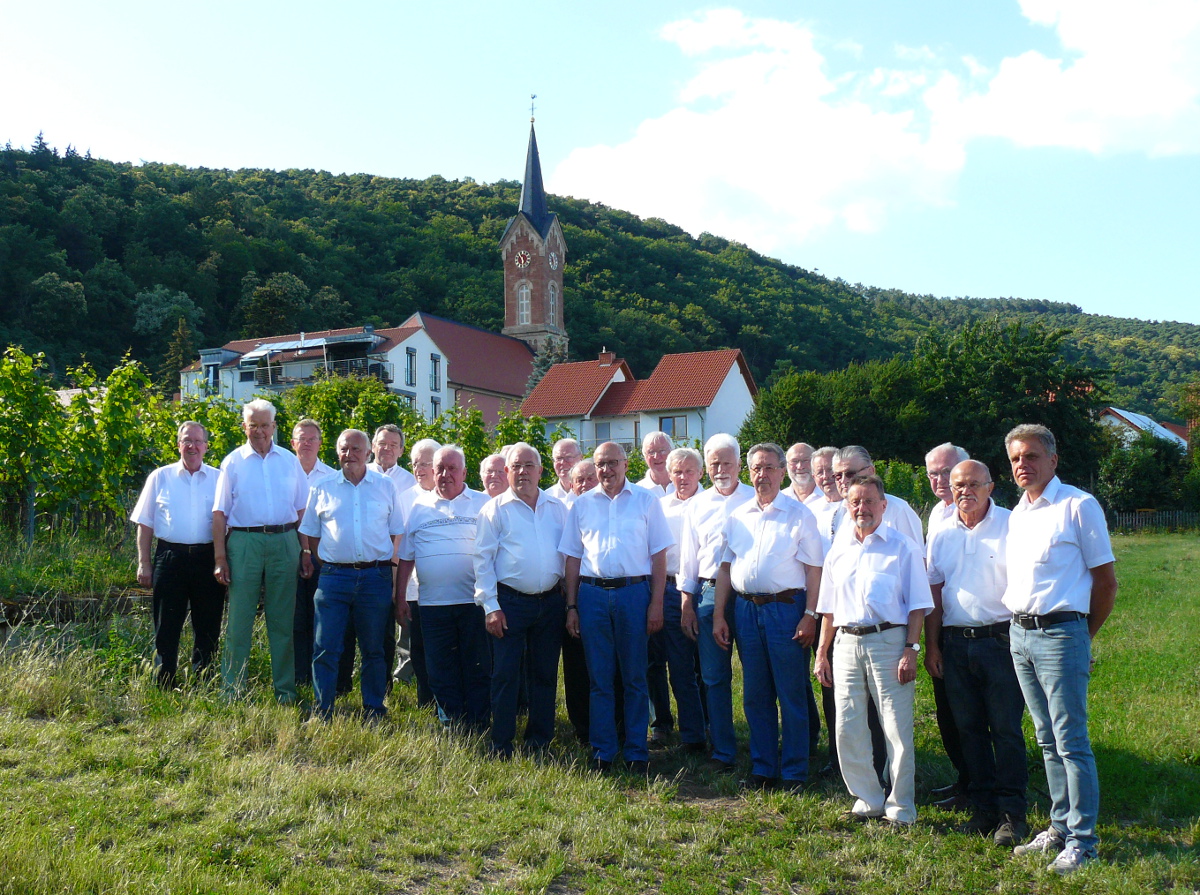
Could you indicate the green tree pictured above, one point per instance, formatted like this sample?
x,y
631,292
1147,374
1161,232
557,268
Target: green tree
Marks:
x,y
31,424
179,354
1147,473
275,307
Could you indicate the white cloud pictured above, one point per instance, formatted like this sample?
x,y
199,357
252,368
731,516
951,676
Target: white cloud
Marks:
x,y
772,142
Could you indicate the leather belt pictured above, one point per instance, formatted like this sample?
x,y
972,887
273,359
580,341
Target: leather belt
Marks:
x,y
978,632
784,596
265,529
860,630
189,549
613,583
379,563
1036,622
553,592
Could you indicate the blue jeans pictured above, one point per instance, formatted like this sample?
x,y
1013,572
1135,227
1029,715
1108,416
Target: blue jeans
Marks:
x,y
459,661
1053,666
535,626
775,668
985,699
612,624
716,670
364,596
681,663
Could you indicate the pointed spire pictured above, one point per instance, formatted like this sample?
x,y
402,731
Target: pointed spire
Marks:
x,y
533,194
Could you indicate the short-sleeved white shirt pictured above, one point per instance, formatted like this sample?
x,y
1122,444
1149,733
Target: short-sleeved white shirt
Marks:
x,y
658,490
768,547
558,492
1053,544
615,537
674,509
941,514
319,471
517,545
402,478
354,522
879,579
440,538
254,490
829,515
177,504
702,535
970,565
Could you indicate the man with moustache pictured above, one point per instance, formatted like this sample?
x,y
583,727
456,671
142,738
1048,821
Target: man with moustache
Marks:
x,y
799,470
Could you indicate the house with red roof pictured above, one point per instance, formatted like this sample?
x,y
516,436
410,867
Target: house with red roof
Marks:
x,y
689,396
1129,425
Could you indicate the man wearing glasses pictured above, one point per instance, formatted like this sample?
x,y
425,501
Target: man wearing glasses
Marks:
x,y
966,640
853,461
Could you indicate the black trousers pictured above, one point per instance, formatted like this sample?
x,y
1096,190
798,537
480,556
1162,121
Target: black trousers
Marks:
x,y
183,584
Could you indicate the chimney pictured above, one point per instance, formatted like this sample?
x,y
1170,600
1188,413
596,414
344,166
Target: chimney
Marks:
x,y
607,358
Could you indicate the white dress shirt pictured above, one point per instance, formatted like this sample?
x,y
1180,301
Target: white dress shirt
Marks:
x,y
558,492
1053,544
702,536
615,537
829,515
880,579
941,514
898,515
397,473
658,490
318,472
354,522
969,563
440,538
768,547
517,546
177,504
674,509
254,490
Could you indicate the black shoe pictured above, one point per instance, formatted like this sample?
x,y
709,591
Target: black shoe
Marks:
x,y
982,823
660,739
829,771
638,768
953,803
1011,831
716,766
794,786
944,792
599,765
759,782
694,748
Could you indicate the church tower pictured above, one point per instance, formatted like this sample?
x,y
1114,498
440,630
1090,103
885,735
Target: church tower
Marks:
x,y
533,252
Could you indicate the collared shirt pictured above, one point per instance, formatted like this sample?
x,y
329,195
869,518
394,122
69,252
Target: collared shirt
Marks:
x,y
702,536
829,515
558,492
969,563
615,537
397,473
319,471
354,522
517,545
880,579
407,496
255,490
674,509
1053,544
898,515
942,514
768,547
650,485
440,538
177,504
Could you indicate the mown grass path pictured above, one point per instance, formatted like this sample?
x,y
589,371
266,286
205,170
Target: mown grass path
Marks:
x,y
107,785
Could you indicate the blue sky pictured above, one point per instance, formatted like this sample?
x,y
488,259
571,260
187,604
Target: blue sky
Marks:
x,y
1038,149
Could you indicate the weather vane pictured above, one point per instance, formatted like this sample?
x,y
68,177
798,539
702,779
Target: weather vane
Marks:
x,y
532,97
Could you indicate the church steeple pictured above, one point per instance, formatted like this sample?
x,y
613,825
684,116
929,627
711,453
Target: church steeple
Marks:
x,y
534,253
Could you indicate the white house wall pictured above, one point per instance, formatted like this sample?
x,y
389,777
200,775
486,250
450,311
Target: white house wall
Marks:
x,y
731,406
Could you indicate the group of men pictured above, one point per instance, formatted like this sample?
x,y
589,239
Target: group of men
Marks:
x,y
643,589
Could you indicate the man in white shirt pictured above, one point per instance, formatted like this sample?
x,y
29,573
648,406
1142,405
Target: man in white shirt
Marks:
x,y
352,522
261,494
771,569
875,593
576,686
1061,589
306,442
701,548
656,446
565,455
518,582
939,463
853,461
410,647
966,642
439,544
175,506
799,469
615,542
826,499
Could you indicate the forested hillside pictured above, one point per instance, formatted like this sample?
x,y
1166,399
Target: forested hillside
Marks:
x,y
99,258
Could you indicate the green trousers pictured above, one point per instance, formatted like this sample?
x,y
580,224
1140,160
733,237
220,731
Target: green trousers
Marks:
x,y
267,563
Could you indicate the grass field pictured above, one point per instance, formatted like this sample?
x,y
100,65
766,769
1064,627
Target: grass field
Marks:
x,y
108,785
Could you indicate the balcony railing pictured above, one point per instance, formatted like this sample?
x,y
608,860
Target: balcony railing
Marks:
x,y
290,374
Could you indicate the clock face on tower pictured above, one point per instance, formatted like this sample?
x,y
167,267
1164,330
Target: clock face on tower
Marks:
x,y
554,260
522,259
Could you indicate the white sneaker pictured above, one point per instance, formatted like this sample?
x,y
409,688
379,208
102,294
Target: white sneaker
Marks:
x,y
1046,841
1071,859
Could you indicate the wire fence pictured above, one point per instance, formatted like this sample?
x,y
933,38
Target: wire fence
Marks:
x,y
1155,520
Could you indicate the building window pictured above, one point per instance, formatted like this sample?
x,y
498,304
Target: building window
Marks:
x,y
603,431
212,377
675,426
552,317
245,375
523,304
410,367
435,373
435,408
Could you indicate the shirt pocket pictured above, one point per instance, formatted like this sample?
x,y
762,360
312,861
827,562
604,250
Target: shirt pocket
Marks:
x,y
879,592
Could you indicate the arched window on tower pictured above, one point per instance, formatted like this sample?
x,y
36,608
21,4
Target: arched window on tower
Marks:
x,y
553,305
523,304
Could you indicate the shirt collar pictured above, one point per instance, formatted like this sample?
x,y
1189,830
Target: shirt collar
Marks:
x,y
957,519
181,470
1048,493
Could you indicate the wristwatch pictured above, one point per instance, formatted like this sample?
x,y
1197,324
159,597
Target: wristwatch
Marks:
x,y
915,647
816,615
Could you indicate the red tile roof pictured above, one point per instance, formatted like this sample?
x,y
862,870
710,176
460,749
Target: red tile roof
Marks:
x,y
690,380
1181,431
620,398
572,389
477,358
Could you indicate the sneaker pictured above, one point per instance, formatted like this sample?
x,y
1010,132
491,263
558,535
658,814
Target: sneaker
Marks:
x,y
1010,831
1071,859
1046,841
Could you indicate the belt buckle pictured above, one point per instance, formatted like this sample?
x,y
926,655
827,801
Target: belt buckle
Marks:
x,y
970,633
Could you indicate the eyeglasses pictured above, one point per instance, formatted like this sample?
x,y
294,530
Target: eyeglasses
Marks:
x,y
938,473
608,464
192,442
760,469
848,473
968,486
